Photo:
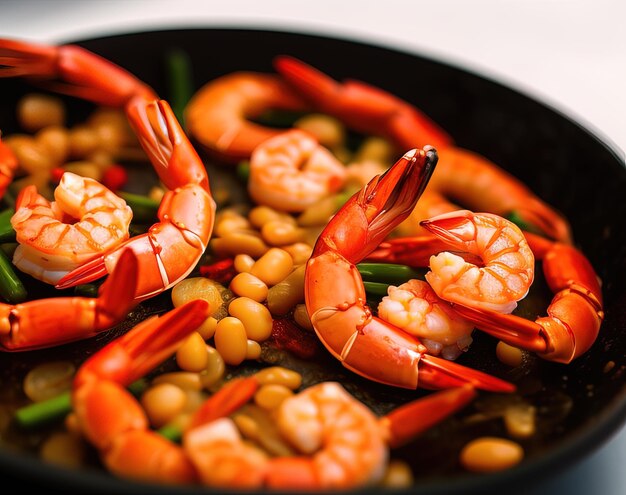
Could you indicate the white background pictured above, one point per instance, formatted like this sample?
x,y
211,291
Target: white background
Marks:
x,y
570,54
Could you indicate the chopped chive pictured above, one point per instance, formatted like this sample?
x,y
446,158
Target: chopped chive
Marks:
x,y
11,287
87,290
56,408
171,432
391,274
180,81
376,288
7,233
144,208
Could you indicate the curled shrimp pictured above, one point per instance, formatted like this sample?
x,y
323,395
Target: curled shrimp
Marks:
x,y
342,444
85,220
508,262
292,171
415,308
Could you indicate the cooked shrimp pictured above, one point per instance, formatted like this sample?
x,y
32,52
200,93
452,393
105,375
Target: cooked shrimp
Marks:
x,y
342,443
415,308
500,246
84,221
292,171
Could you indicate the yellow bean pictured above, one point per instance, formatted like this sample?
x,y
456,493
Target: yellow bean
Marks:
x,y
85,168
56,141
184,380
232,224
63,449
319,212
162,403
207,329
243,263
31,156
198,288
195,398
101,158
72,425
273,266
41,180
253,350
192,354
156,193
301,317
214,369
83,141
375,149
260,215
398,475
519,420
284,296
231,340
509,355
277,375
248,427
328,130
279,233
109,134
490,454
239,243
255,318
300,252
246,284
271,396
36,111
48,380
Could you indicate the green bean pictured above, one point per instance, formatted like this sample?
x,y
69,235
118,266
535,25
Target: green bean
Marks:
x,y
171,432
11,287
87,290
144,208
180,81
517,219
376,288
279,118
388,273
7,233
44,412
243,171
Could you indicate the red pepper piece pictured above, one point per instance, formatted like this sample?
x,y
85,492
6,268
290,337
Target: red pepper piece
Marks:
x,y
114,177
288,336
222,271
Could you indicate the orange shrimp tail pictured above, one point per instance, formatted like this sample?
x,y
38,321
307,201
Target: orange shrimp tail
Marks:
x,y
412,251
164,141
226,401
372,213
438,373
407,422
363,107
153,340
83,74
116,296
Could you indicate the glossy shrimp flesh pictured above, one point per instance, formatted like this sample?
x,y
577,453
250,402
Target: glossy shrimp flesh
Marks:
x,y
291,171
415,308
85,220
507,264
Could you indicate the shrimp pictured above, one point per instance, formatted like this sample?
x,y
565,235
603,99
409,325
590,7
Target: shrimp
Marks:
x,y
58,320
218,115
415,308
54,238
509,264
292,171
462,175
335,296
342,444
173,246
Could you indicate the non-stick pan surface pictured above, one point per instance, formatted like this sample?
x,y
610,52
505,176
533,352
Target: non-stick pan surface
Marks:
x,y
561,161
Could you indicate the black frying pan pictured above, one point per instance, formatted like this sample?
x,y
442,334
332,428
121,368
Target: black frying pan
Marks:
x,y
561,161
